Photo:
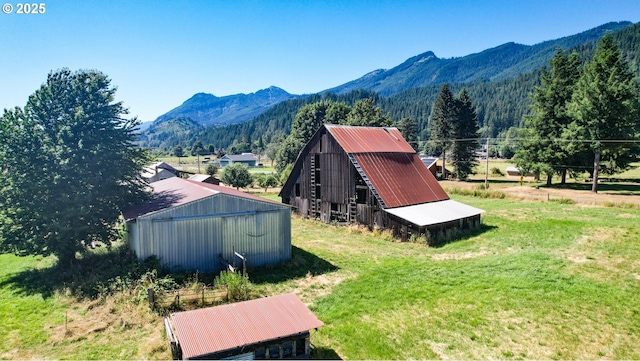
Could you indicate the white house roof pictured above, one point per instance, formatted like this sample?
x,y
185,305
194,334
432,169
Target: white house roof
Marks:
x,y
245,157
427,214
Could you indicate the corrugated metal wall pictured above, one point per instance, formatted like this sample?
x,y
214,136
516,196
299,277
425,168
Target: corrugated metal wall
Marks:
x,y
191,236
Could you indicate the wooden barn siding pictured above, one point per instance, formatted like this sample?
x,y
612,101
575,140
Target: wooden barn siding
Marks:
x,y
337,180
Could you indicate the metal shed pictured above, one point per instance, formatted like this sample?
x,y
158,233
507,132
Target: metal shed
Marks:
x,y
272,327
188,225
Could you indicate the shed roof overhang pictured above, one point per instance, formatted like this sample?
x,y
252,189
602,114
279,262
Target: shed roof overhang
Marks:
x,y
432,213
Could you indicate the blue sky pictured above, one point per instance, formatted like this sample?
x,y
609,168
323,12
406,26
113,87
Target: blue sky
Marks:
x,y
160,53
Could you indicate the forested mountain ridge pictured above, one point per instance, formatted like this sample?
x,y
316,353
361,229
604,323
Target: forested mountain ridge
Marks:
x,y
207,109
502,62
167,133
500,104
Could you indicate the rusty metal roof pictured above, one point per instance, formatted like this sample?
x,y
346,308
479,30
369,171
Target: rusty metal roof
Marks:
x,y
175,191
400,179
214,329
369,139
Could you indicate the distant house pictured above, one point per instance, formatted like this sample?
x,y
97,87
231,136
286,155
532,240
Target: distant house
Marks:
x,y
191,225
245,158
371,176
515,171
431,163
205,178
274,327
158,171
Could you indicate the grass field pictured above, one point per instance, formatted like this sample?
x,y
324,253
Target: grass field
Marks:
x,y
540,280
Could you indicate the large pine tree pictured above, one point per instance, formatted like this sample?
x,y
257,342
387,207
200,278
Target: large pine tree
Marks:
x,y
543,149
440,122
606,111
465,131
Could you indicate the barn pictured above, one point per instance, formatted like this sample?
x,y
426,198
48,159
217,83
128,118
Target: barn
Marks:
x,y
371,176
191,225
274,327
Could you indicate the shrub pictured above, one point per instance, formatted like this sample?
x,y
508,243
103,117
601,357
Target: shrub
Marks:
x,y
238,285
496,171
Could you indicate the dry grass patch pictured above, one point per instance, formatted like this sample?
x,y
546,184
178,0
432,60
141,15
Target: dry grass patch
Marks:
x,y
599,254
106,323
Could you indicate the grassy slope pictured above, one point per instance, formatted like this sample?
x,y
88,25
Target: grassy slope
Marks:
x,y
541,281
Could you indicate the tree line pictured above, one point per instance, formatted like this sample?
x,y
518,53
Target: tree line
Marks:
x,y
585,118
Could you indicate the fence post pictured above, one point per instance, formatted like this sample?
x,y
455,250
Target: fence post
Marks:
x,y
203,287
151,296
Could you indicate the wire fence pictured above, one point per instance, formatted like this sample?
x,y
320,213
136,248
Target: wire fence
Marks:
x,y
200,296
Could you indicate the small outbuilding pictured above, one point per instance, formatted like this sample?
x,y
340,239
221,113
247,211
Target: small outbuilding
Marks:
x,y
205,178
191,225
158,171
275,327
246,159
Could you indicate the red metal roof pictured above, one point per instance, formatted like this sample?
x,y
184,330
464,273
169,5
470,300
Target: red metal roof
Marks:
x,y
214,329
401,179
369,139
175,191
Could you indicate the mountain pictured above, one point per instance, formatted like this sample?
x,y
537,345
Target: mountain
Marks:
x,y
499,82
207,109
166,133
502,62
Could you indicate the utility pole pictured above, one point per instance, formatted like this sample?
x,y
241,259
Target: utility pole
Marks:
x,y
486,175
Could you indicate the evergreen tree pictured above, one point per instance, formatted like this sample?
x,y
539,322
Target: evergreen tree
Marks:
x,y
408,127
606,111
68,166
366,114
542,149
465,132
441,122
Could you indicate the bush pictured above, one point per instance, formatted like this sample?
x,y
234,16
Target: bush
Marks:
x,y
238,285
496,171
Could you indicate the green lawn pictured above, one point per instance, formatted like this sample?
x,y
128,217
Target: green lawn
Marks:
x,y
541,281
538,281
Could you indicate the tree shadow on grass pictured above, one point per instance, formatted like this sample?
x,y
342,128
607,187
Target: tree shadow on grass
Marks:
x,y
300,264
96,273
